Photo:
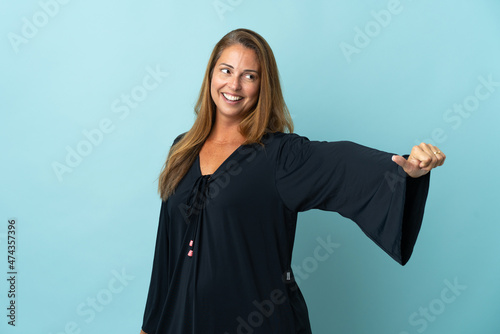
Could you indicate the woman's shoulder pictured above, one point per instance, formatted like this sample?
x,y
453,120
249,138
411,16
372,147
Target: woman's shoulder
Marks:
x,y
268,139
179,137
284,141
281,137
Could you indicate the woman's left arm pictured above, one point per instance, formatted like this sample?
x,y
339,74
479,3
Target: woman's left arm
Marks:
x,y
422,159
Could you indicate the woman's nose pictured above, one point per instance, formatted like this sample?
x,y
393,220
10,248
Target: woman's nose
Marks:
x,y
234,83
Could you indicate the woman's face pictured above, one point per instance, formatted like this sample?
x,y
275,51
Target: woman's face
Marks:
x,y
235,82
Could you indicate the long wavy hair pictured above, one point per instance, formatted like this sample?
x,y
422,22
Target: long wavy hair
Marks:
x,y
270,113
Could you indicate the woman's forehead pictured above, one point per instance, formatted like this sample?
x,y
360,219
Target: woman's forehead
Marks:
x,y
239,57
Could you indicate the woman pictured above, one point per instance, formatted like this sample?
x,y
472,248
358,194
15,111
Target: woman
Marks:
x,y
232,187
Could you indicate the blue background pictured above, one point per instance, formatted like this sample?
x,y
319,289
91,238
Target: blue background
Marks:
x,y
77,232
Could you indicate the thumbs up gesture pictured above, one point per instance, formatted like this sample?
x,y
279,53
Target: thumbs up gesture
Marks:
x,y
422,159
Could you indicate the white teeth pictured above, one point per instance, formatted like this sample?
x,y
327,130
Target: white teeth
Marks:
x,y
232,98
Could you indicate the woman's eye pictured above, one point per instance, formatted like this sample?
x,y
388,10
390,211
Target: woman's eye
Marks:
x,y
250,76
225,71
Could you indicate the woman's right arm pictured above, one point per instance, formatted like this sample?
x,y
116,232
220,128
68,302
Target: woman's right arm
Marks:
x,y
143,332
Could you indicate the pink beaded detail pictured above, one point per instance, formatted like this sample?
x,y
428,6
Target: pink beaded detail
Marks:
x,y
190,253
191,243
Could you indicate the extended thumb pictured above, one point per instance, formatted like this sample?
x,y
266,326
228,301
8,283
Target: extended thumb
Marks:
x,y
399,160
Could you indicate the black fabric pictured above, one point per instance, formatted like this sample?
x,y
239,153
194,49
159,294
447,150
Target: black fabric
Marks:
x,y
224,244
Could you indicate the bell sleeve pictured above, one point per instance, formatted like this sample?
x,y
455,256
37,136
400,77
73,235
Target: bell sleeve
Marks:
x,y
159,283
360,183
158,286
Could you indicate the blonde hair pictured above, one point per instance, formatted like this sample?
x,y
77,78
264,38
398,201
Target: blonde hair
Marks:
x,y
270,113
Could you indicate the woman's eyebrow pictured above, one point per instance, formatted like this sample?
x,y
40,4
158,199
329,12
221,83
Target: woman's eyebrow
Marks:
x,y
224,64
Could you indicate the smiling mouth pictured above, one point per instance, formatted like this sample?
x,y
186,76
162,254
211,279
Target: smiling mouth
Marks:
x,y
232,98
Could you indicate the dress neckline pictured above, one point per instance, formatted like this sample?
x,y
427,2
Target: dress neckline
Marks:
x,y
220,166
197,162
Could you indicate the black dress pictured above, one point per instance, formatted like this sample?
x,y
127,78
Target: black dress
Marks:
x,y
225,240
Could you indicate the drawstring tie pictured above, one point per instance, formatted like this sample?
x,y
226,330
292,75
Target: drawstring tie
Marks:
x,y
196,202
